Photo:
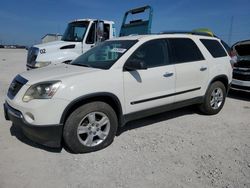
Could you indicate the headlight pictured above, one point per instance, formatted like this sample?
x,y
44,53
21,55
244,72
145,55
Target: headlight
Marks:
x,y
36,50
39,64
43,90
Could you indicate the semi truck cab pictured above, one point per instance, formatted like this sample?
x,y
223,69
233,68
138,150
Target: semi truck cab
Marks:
x,y
79,36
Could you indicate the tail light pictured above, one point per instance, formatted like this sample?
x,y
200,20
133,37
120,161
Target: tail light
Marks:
x,y
232,53
233,56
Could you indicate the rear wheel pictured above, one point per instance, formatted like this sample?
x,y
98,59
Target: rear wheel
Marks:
x,y
90,127
214,98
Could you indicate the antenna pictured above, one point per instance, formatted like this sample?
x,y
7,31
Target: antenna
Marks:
x,y
230,30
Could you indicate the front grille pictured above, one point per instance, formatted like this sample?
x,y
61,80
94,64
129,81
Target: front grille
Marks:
x,y
241,75
16,85
242,64
32,55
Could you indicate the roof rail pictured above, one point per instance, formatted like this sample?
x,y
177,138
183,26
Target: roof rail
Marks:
x,y
187,32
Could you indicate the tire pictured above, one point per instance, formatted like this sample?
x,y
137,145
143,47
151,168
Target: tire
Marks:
x,y
90,127
214,98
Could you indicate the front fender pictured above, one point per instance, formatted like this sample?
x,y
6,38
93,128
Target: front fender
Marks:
x,y
107,97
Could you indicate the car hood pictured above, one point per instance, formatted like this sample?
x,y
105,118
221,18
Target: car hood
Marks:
x,y
242,48
55,72
57,45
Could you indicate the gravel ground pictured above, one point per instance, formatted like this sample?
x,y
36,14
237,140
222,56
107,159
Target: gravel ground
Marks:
x,y
181,148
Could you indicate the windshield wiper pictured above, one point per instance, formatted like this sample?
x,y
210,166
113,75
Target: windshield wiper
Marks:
x,y
82,65
67,62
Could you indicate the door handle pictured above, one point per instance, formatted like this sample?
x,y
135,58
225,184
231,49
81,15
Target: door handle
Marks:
x,y
168,74
203,68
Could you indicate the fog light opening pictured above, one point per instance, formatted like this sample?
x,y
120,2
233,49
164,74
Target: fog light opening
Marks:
x,y
29,117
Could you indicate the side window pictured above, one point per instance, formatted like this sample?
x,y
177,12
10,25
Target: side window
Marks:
x,y
153,53
184,50
106,31
91,35
214,47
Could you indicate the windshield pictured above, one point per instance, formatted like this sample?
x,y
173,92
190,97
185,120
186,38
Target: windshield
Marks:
x,y
104,55
75,31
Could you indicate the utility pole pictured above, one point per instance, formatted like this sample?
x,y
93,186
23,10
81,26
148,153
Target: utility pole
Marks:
x,y
230,31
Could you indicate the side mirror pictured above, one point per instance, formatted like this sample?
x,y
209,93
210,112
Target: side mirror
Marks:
x,y
135,64
100,31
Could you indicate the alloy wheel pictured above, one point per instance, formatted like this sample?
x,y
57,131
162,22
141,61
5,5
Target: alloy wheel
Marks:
x,y
93,129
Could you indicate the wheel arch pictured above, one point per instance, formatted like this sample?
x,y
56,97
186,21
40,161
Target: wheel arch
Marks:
x,y
222,78
106,97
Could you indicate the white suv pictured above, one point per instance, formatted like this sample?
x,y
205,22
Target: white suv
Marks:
x,y
84,103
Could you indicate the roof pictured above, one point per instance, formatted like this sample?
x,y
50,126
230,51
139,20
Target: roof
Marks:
x,y
51,34
88,19
131,37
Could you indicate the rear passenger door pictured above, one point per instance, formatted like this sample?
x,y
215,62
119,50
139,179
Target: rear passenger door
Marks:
x,y
153,87
190,66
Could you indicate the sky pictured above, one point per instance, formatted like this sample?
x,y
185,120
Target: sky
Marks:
x,y
25,22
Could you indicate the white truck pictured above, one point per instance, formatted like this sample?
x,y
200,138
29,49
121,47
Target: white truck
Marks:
x,y
83,34
79,36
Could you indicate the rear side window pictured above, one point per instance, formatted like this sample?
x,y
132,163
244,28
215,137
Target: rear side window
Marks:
x,y
228,49
214,47
184,50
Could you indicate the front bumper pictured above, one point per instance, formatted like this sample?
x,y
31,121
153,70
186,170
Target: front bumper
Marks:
x,y
48,135
240,85
29,67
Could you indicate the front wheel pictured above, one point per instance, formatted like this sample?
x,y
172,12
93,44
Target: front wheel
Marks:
x,y
214,98
90,127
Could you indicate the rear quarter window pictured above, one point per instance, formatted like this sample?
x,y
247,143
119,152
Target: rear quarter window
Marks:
x,y
184,50
214,48
228,49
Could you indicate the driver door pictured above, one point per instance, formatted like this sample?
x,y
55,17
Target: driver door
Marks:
x,y
153,87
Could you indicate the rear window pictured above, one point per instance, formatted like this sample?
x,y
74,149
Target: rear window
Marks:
x,y
184,50
214,47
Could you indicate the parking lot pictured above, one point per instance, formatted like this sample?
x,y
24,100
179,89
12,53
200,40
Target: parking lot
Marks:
x,y
181,148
